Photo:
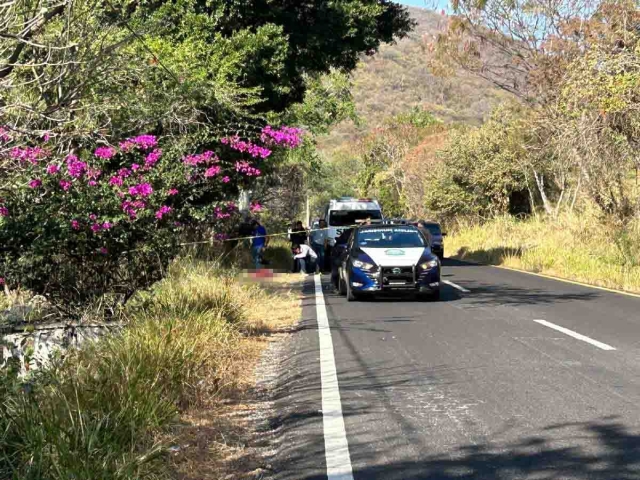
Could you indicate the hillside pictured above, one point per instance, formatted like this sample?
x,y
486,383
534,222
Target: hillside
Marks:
x,y
398,78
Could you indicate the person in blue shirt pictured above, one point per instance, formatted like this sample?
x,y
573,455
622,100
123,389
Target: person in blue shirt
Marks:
x,y
259,242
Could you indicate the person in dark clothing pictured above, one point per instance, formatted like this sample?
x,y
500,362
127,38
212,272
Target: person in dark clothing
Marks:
x,y
298,236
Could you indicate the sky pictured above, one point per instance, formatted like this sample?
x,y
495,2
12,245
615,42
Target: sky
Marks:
x,y
431,4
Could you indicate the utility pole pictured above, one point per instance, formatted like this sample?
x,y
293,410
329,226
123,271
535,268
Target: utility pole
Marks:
x,y
308,213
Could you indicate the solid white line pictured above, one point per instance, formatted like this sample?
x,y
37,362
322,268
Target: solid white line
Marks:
x,y
573,334
336,446
455,285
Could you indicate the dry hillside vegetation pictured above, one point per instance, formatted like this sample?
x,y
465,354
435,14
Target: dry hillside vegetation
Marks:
x,y
399,78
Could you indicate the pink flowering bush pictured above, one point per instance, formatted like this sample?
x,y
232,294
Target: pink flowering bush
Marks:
x,y
105,222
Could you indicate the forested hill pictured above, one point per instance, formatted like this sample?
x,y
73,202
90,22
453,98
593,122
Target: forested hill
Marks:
x,y
398,78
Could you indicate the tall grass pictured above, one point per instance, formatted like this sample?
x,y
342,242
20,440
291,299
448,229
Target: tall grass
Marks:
x,y
576,247
99,413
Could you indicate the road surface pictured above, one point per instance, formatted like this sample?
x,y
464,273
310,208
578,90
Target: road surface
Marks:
x,y
509,376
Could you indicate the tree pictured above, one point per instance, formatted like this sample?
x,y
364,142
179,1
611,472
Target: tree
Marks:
x,y
479,173
525,47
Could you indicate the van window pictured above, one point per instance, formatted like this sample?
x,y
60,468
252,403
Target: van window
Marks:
x,y
344,218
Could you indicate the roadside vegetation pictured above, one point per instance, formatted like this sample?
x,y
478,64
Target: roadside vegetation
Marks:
x,y
114,408
574,247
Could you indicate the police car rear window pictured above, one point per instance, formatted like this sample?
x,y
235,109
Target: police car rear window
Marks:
x,y
390,237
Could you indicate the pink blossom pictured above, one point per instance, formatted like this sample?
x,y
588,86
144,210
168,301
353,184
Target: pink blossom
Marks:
x,y
212,171
105,152
135,167
4,135
285,136
226,179
152,158
255,207
35,183
107,225
93,217
53,169
46,137
92,183
141,190
2,281
103,250
75,224
28,154
94,173
206,157
252,149
66,185
131,208
163,211
172,192
4,212
75,167
247,169
117,181
126,145
96,227
124,172
145,141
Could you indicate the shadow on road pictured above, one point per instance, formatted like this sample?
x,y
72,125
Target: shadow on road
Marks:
x,y
559,451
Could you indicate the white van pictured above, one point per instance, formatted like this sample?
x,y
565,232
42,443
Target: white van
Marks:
x,y
347,211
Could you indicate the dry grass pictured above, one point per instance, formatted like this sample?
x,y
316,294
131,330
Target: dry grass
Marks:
x,y
173,376
217,438
574,247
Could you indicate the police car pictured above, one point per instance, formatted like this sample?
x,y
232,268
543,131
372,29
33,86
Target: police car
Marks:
x,y
388,258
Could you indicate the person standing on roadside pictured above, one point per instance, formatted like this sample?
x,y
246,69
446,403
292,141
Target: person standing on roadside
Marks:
x,y
298,236
319,240
258,243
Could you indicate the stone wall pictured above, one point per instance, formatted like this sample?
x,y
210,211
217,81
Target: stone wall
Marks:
x,y
33,345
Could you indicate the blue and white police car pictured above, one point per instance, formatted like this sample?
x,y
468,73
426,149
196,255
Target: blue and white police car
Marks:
x,y
388,258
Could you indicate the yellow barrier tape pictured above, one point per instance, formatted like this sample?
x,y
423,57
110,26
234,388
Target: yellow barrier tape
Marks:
x,y
270,235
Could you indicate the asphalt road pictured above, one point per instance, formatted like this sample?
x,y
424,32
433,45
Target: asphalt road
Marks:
x,y
472,386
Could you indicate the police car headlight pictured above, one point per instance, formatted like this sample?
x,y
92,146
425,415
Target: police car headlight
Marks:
x,y
431,264
363,265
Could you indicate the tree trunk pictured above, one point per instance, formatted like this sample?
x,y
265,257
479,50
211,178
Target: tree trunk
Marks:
x,y
543,195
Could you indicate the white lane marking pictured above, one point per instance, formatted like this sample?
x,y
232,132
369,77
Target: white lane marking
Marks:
x,y
336,446
456,286
577,335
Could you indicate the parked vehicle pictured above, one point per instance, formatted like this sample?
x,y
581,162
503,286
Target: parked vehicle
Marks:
x,y
436,234
388,258
346,212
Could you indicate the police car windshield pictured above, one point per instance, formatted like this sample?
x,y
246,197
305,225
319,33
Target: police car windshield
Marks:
x,y
388,237
344,218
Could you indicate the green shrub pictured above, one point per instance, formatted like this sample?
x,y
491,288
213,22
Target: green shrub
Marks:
x,y
99,412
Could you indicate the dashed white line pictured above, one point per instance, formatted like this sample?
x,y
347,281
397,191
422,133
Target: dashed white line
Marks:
x,y
336,446
456,286
577,335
